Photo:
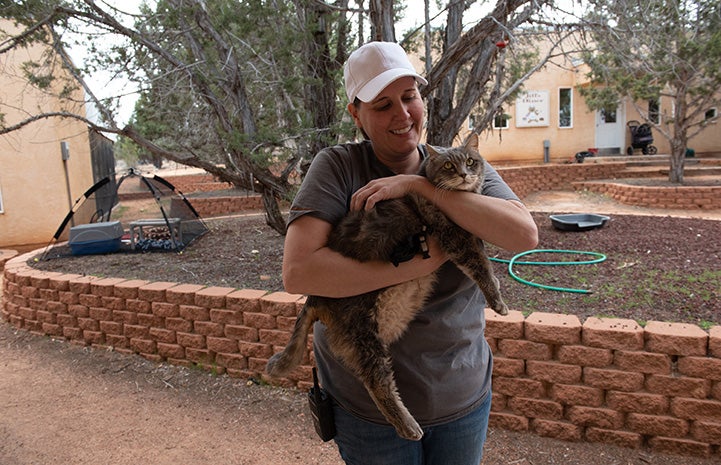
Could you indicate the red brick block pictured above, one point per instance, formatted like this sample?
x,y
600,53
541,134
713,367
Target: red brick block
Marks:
x,y
707,432
125,316
679,447
696,409
68,298
136,331
171,350
556,429
226,317
552,328
182,294
613,333
233,361
194,313
67,320
111,327
165,309
678,386
222,345
113,303
644,362
150,320
260,320
212,297
90,300
613,379
93,337
279,303
46,317
138,306
100,313
508,421
273,337
526,350
105,287
244,300
592,416
162,335
241,333
508,367
504,326
654,425
202,357
80,284
57,308
553,372
576,395
128,289
117,341
179,324
208,328
625,439
154,292
498,402
255,349
192,341
675,338
641,402
88,324
700,367
51,329
143,346
536,408
714,341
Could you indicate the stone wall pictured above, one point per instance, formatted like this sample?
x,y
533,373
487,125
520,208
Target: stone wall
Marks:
x,y
602,380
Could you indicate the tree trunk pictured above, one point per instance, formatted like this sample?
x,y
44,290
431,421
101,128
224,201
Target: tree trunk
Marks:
x,y
381,13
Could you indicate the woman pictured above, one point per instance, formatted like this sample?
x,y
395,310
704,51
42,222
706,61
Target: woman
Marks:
x,y
443,363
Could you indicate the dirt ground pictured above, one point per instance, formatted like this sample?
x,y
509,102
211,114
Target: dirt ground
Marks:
x,y
63,403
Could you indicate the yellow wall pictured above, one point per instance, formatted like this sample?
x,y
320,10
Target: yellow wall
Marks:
x,y
32,173
526,144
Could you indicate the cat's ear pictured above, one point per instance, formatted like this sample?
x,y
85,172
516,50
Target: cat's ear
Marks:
x,y
471,142
432,151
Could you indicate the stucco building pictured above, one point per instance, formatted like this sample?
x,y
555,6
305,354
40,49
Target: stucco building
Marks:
x,y
46,165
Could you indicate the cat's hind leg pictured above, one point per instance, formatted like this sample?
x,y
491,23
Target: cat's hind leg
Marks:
x,y
284,362
369,360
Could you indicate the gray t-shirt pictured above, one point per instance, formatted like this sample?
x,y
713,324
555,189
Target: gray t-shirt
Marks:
x,y
442,363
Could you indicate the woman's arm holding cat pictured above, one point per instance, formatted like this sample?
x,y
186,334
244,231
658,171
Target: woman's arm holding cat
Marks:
x,y
505,223
310,267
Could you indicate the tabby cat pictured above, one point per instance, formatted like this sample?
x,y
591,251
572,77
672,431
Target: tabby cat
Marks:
x,y
361,328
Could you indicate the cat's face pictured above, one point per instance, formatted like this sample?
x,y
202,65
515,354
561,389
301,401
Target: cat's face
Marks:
x,y
455,168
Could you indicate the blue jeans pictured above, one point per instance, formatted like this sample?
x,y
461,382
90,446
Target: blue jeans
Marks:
x,y
459,442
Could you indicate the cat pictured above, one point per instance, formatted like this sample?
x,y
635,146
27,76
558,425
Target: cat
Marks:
x,y
361,328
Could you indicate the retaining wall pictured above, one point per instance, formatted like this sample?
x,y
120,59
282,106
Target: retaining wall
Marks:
x,y
603,380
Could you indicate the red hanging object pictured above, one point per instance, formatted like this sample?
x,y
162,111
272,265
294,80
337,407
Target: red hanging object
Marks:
x,y
501,44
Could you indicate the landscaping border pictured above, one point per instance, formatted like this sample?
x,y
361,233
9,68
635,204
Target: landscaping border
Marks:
x,y
604,380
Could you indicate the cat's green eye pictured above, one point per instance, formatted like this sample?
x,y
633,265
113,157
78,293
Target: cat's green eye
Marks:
x,y
448,165
470,162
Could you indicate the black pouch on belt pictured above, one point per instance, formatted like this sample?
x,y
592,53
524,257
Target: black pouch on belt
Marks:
x,y
321,408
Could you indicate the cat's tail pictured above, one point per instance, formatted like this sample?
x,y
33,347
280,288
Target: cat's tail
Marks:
x,y
284,362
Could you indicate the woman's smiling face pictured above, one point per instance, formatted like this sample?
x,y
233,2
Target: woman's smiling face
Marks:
x,y
393,121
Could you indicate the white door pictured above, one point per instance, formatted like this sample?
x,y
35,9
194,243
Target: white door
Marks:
x,y
610,131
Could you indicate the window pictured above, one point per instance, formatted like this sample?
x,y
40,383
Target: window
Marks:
x,y
565,108
711,113
653,111
500,121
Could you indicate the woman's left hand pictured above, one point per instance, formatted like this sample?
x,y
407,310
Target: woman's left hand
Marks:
x,y
391,187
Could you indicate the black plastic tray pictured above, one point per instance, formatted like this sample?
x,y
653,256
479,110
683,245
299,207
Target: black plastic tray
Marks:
x,y
579,221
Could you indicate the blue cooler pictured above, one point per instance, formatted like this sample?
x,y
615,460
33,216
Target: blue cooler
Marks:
x,y
95,238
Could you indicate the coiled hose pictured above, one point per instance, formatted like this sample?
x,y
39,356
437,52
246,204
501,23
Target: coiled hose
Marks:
x,y
514,261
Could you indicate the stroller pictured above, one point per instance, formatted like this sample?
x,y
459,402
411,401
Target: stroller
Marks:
x,y
641,138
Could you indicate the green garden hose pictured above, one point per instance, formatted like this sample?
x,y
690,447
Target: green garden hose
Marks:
x,y
514,261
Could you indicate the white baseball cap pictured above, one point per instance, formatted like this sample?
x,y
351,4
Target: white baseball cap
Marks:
x,y
372,67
